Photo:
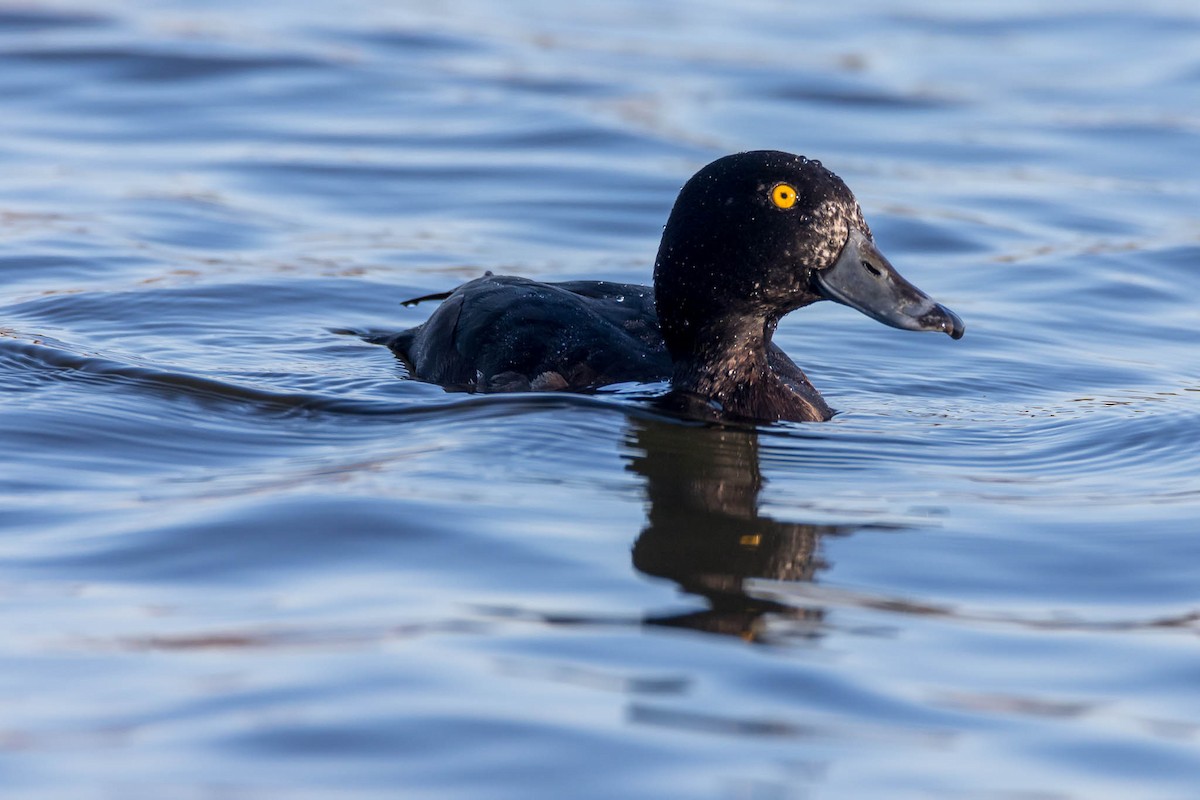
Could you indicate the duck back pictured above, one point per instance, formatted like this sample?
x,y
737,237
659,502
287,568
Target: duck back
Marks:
x,y
502,334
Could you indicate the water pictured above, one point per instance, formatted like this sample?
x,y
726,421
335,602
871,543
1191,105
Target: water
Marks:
x,y
241,557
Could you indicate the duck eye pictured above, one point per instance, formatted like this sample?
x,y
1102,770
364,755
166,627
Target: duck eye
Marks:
x,y
783,195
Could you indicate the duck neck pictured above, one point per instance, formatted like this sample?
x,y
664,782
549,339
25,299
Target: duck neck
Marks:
x,y
726,360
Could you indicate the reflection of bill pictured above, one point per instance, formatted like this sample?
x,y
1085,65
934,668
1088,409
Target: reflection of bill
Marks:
x,y
703,528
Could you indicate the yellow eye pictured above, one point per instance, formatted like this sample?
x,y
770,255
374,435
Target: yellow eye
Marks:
x,y
783,195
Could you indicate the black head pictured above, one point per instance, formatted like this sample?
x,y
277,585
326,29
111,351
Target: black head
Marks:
x,y
755,235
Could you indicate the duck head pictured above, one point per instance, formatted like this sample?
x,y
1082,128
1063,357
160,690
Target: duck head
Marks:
x,y
756,235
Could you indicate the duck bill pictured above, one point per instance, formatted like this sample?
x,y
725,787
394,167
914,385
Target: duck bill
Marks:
x,y
863,279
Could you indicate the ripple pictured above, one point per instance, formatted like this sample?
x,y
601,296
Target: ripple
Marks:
x,y
1184,622
35,364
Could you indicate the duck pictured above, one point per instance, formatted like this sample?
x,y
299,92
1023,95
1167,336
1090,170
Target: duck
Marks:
x,y
751,237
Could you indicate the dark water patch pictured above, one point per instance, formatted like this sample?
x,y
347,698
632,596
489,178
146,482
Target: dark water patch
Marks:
x,y
542,139
1092,21
168,66
540,85
405,42
448,173
903,228
198,223
43,270
850,96
25,20
436,186
312,531
41,365
180,301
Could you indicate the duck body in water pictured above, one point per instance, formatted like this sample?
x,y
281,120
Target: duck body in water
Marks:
x,y
752,237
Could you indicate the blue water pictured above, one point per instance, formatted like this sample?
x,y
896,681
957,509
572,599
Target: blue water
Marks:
x,y
242,557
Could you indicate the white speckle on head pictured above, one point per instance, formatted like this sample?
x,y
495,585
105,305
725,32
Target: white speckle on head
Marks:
x,y
830,223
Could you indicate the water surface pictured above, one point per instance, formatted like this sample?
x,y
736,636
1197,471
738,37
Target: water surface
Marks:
x,y
241,556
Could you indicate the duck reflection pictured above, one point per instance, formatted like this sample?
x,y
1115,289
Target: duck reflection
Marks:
x,y
704,530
